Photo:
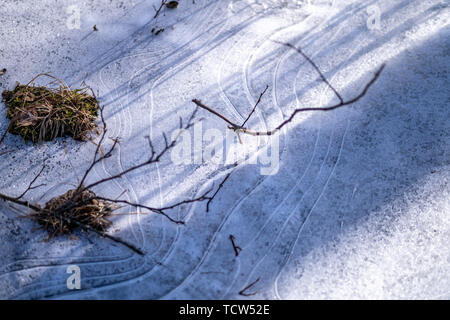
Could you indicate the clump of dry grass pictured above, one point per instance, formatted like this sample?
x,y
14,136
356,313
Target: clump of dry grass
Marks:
x,y
42,113
83,210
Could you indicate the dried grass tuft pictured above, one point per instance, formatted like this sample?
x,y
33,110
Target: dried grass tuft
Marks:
x,y
86,211
43,113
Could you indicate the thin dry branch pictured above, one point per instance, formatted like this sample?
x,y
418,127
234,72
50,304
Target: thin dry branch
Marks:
x,y
5,152
23,203
30,186
41,113
211,198
341,104
236,248
154,156
314,65
246,294
163,3
162,210
98,150
202,197
241,129
37,210
203,106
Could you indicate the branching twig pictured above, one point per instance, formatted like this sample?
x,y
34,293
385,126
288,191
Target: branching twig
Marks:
x,y
23,203
82,198
37,209
211,198
154,157
202,197
162,210
4,134
163,3
30,186
240,128
201,105
236,248
243,291
103,234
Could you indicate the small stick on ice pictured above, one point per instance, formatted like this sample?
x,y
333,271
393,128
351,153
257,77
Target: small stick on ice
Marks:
x,y
163,3
236,248
211,198
246,294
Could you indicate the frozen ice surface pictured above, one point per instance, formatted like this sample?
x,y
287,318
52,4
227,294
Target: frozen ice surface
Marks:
x,y
359,207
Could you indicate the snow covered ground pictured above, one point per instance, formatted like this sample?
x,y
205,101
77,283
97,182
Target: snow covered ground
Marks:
x,y
358,205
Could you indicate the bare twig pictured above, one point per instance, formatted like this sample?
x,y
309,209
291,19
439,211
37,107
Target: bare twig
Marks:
x,y
30,186
62,213
202,197
243,291
4,134
98,150
299,50
256,104
37,209
345,103
23,203
201,105
236,248
106,235
154,156
162,210
163,3
241,129
211,198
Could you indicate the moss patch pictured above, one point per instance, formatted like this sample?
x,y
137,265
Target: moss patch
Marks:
x,y
42,113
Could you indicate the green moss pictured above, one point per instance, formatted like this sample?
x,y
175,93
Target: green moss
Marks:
x,y
39,113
